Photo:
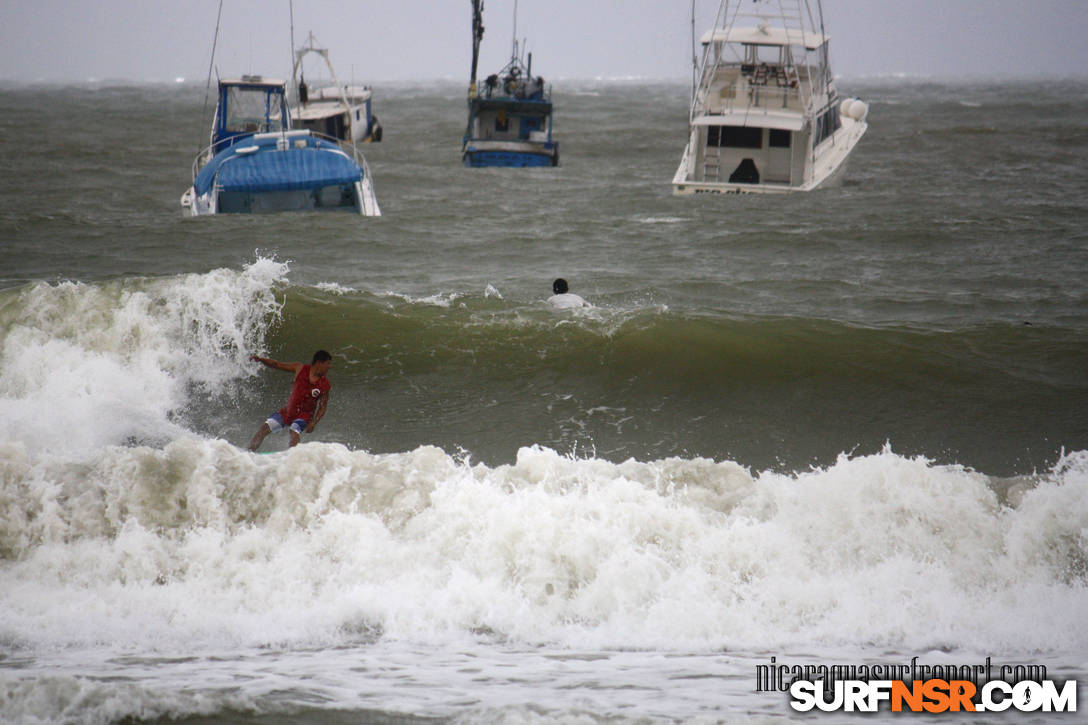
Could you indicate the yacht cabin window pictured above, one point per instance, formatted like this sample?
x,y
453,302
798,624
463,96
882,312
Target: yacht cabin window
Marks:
x,y
737,137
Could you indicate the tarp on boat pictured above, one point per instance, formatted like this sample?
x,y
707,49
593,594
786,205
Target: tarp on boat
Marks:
x,y
261,166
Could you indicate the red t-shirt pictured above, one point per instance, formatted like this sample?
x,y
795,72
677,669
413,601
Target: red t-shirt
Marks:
x,y
304,396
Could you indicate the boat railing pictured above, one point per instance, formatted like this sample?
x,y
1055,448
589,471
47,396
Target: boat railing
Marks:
x,y
517,88
734,92
770,87
764,98
331,139
208,153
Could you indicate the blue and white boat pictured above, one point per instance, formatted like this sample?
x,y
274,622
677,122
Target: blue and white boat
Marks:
x,y
257,163
510,115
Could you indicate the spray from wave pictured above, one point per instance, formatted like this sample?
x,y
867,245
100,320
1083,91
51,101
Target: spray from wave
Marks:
x,y
88,365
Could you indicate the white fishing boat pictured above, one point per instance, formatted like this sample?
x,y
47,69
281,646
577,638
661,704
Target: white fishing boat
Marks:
x,y
765,116
343,112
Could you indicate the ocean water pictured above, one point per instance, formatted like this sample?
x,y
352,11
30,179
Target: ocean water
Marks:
x,y
843,427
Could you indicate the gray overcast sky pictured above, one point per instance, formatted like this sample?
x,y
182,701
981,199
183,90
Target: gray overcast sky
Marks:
x,y
384,40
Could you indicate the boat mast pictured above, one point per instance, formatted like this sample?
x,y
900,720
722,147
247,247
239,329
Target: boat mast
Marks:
x,y
514,53
477,36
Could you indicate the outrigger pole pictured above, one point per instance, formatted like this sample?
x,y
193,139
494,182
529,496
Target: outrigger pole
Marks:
x,y
694,64
291,7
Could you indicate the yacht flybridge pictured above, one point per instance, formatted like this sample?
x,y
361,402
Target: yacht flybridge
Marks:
x,y
765,116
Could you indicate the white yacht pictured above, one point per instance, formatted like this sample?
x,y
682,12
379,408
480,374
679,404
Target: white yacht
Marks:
x,y
765,116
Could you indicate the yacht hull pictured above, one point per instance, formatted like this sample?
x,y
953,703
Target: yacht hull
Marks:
x,y
828,169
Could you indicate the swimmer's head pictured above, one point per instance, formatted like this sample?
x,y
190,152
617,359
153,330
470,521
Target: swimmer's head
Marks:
x,y
559,286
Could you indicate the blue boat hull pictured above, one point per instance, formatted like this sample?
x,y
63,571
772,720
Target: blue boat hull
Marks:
x,y
517,159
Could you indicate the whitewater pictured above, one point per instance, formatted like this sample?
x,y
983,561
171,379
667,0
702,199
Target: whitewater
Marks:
x,y
150,571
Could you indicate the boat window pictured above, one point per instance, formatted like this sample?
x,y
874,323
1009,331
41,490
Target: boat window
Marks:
x,y
827,123
502,122
338,197
248,110
779,138
334,197
530,124
737,137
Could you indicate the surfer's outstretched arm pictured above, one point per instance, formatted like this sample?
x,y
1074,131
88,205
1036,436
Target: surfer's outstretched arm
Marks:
x,y
288,367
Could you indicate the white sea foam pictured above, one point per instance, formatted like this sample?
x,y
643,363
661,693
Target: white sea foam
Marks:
x,y
435,300
335,288
118,525
201,544
662,220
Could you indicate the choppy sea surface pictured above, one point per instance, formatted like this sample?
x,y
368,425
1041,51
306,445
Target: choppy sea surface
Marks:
x,y
842,427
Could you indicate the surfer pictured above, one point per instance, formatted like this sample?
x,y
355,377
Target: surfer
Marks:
x,y
564,299
308,400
